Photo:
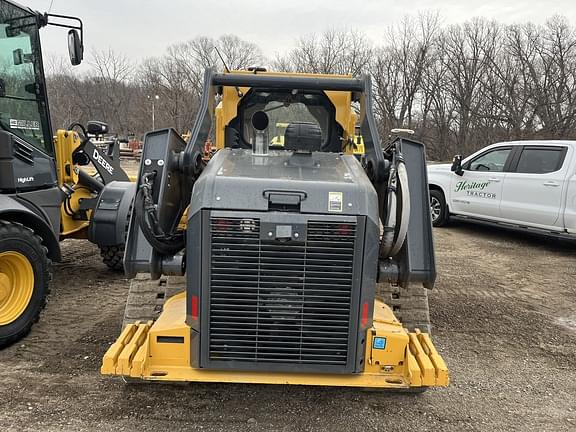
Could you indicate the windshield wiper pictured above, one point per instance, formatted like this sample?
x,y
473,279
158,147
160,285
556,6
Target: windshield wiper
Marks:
x,y
19,98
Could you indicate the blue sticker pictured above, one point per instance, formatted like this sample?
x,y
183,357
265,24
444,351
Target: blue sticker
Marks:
x,y
379,343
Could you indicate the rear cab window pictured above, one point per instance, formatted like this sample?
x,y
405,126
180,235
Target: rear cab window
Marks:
x,y
540,159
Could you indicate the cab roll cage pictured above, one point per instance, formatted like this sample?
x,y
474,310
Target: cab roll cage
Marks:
x,y
361,89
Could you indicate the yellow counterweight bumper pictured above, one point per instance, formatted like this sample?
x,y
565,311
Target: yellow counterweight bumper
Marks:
x,y
160,351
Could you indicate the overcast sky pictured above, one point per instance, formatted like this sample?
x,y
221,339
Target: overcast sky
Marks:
x,y
141,28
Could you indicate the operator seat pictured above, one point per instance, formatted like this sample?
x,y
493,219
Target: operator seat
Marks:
x,y
302,136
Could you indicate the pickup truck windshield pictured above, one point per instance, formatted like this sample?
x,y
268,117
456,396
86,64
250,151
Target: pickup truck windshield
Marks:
x,y
23,109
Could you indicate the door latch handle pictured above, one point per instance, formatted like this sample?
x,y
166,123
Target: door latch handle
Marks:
x,y
551,183
494,179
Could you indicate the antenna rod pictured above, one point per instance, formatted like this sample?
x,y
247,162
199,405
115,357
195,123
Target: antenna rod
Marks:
x,y
240,94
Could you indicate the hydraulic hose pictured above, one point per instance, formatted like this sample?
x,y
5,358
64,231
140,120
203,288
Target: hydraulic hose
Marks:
x,y
390,222
147,217
395,231
404,209
90,182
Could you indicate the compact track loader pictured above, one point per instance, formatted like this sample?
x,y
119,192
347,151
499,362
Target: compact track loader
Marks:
x,y
45,193
292,262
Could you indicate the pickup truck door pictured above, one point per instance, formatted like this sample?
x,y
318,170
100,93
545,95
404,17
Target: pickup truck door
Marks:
x,y
533,190
479,190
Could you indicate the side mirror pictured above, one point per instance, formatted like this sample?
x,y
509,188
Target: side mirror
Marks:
x,y
19,57
457,165
97,128
75,48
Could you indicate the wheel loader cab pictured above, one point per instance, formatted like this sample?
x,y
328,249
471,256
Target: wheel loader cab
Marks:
x,y
24,114
282,248
45,196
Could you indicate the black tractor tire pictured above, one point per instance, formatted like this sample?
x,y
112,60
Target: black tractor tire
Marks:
x,y
438,208
146,297
113,256
410,305
17,238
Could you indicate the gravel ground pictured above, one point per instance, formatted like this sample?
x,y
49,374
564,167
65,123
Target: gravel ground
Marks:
x,y
504,317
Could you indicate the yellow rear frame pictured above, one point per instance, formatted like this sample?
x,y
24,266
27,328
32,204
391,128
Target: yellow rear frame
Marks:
x,y
408,360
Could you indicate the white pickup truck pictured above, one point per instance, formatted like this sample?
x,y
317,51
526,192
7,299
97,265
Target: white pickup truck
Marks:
x,y
524,184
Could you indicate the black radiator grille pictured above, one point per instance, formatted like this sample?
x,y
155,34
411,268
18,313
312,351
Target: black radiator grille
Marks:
x,y
283,303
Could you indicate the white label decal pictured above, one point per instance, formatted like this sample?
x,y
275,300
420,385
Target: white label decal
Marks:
x,y
25,124
335,201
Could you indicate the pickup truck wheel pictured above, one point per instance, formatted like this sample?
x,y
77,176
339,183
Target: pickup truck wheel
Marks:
x,y
438,208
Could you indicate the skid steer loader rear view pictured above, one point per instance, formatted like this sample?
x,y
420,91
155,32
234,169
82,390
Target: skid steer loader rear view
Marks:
x,y
284,253
45,195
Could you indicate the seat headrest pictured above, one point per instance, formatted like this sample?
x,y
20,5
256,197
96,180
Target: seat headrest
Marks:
x,y
301,136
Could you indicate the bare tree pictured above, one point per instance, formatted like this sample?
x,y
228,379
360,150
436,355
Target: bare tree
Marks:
x,y
460,87
399,68
343,51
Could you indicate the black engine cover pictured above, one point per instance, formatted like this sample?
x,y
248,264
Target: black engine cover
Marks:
x,y
282,256
23,167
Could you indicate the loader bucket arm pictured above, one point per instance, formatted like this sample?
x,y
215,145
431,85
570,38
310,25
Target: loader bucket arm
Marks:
x,y
417,255
414,262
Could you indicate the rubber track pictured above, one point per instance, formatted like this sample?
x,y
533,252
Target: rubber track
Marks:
x,y
146,297
410,305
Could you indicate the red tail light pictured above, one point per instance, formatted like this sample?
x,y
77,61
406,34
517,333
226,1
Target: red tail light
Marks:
x,y
222,224
194,307
364,314
344,230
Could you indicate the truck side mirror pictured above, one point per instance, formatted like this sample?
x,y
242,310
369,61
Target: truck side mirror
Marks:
x,y
457,165
75,48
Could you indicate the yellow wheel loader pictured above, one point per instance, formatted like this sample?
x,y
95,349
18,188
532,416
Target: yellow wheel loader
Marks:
x,y
45,194
293,261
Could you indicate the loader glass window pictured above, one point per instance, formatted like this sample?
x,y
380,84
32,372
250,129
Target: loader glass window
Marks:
x,y
284,108
23,108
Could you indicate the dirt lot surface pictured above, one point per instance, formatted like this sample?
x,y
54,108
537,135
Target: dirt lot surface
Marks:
x,y
504,316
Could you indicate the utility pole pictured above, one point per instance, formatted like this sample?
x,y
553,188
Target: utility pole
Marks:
x,y
153,99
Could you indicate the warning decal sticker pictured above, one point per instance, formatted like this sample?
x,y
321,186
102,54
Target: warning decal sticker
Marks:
x,y
335,201
379,343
